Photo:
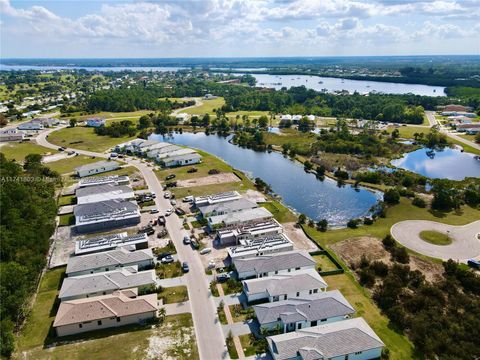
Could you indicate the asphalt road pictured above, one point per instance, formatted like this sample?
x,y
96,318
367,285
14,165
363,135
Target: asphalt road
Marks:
x,y
465,244
208,330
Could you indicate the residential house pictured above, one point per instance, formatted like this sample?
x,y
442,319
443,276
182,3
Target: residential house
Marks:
x,y
104,180
96,168
92,194
101,312
181,160
286,117
255,231
109,261
104,283
105,215
456,108
239,218
273,264
226,207
11,135
297,284
260,246
95,122
31,126
351,339
161,148
468,127
216,198
111,242
295,314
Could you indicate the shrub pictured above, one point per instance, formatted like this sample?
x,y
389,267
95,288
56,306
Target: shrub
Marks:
x,y
400,255
379,268
368,221
391,196
388,242
367,277
419,202
352,223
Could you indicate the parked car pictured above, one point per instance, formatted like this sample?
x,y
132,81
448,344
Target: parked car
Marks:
x,y
185,267
161,220
167,194
186,240
194,243
147,230
154,211
187,199
179,212
168,212
473,263
71,153
192,170
61,149
169,177
113,155
121,156
162,233
162,255
173,202
223,277
167,259
211,264
205,251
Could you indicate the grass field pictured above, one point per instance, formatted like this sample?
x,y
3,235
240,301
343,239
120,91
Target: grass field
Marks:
x,y
435,237
408,131
174,294
68,165
301,141
66,200
207,107
324,263
84,138
18,150
66,220
281,213
171,270
403,211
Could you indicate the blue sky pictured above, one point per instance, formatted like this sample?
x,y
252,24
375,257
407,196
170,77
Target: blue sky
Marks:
x,y
203,28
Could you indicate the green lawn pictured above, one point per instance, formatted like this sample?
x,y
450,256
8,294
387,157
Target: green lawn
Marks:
x,y
66,220
18,150
208,107
166,271
221,316
281,213
84,138
302,141
249,344
238,313
435,237
66,200
174,294
324,263
408,131
65,166
403,211
176,334
38,324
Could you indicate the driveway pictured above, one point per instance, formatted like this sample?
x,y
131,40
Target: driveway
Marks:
x,y
465,243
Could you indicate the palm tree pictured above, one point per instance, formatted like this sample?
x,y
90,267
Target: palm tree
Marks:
x,y
161,314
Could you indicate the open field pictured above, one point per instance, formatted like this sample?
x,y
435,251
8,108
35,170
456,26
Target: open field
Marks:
x,y
302,141
435,237
68,165
207,107
18,150
84,138
408,131
175,294
324,263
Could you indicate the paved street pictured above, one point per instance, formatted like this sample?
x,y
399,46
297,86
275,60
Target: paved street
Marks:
x,y
465,244
208,331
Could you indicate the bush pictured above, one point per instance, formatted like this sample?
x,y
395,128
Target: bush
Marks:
x,y
400,255
419,202
368,221
367,277
353,223
379,268
322,225
391,196
340,174
388,242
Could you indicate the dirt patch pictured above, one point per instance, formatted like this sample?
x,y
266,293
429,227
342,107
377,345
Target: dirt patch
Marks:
x,y
255,196
208,180
300,240
352,250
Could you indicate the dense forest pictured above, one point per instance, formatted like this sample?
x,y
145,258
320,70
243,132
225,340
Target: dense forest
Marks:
x,y
26,224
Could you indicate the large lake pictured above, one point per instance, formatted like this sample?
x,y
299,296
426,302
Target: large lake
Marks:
x,y
335,84
4,67
448,163
298,189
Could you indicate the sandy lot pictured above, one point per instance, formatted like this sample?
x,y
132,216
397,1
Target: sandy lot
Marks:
x,y
351,251
300,240
255,196
208,180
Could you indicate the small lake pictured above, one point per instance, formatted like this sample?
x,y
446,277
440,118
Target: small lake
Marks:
x,y
448,163
299,190
335,84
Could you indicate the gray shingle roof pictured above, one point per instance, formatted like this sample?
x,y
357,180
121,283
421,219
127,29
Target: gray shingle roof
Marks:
x,y
104,208
316,307
241,216
96,165
106,281
228,206
326,341
102,189
275,262
119,257
285,283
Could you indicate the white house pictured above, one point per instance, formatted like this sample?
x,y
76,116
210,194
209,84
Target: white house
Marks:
x,y
295,314
350,339
96,168
297,284
92,194
286,117
11,135
95,122
271,244
181,160
101,312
